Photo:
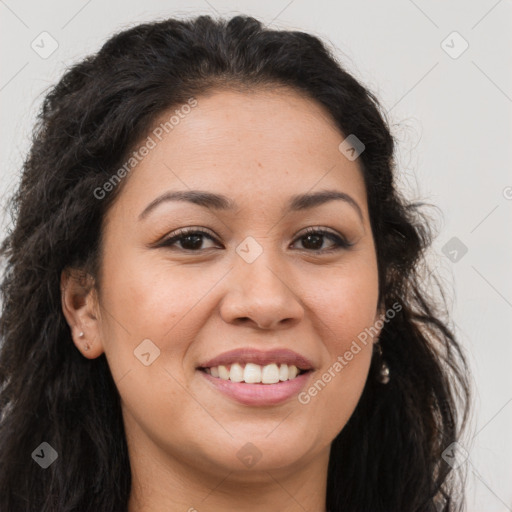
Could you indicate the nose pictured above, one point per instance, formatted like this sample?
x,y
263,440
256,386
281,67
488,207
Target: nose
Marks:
x,y
259,295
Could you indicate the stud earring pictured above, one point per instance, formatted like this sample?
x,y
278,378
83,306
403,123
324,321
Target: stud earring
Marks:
x,y
383,375
81,335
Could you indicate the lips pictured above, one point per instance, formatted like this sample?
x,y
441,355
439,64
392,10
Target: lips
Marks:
x,y
260,357
270,391
258,395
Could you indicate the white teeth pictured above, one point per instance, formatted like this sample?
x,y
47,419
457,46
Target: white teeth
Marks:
x,y
270,374
236,374
283,372
223,373
292,372
253,373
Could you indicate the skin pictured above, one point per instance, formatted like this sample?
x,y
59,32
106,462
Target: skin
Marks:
x,y
258,148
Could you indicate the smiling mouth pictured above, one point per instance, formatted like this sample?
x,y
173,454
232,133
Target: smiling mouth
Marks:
x,y
252,373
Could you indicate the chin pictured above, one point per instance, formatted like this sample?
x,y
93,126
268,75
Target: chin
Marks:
x,y
258,454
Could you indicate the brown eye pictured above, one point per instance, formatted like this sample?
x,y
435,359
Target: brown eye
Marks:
x,y
313,240
192,239
189,239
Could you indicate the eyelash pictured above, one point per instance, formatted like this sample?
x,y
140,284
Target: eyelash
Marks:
x,y
340,242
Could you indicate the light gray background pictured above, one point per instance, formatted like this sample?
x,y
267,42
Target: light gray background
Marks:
x,y
452,119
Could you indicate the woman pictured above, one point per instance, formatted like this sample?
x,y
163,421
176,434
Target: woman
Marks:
x,y
212,297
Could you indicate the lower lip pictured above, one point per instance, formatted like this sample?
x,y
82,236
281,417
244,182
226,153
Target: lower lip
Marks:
x,y
258,394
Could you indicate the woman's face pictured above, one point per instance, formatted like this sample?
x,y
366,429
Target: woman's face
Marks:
x,y
253,282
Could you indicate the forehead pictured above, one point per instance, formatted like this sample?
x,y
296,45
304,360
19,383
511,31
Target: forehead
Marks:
x,y
262,146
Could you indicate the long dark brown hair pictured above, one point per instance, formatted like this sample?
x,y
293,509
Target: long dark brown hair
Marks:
x,y
88,123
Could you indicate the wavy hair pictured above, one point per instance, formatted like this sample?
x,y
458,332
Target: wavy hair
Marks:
x,y
87,125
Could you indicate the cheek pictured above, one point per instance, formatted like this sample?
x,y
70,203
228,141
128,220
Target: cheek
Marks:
x,y
334,394
151,295
345,306
345,302
165,302
152,302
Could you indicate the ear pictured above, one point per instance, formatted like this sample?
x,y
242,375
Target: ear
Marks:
x,y
81,308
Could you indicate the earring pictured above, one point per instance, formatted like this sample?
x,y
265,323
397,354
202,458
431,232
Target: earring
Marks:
x,y
383,375
81,335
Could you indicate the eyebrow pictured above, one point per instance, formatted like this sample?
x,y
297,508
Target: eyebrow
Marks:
x,y
205,199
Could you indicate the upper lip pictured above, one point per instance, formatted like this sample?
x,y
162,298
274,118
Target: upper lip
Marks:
x,y
261,357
